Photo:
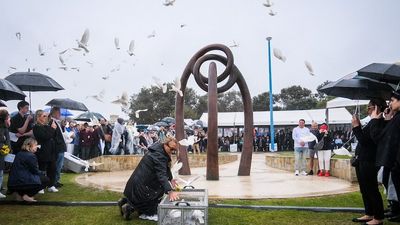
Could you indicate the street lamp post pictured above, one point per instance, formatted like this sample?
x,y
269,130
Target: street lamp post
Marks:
x,y
271,107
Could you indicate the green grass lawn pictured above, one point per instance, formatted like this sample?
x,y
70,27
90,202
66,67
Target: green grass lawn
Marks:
x,y
32,215
291,154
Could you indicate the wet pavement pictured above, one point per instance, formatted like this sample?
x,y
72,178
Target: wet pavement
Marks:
x,y
264,182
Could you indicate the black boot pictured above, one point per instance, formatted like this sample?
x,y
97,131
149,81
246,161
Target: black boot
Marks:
x,y
121,202
394,209
127,211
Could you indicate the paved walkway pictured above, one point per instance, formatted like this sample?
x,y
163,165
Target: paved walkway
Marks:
x,y
264,182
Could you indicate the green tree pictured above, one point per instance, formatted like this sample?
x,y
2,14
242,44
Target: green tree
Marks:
x,y
230,101
261,101
159,105
296,98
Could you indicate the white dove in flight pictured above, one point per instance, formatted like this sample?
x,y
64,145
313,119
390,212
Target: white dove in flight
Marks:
x,y
169,2
99,97
41,52
272,13
163,86
63,68
177,87
268,3
61,60
131,48
235,45
116,42
123,100
190,181
83,43
105,77
278,54
18,35
138,111
175,169
309,68
153,34
187,142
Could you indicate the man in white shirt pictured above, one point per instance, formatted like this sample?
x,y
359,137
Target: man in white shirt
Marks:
x,y
300,147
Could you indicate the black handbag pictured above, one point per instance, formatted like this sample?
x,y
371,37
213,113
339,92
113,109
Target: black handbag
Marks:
x,y
354,161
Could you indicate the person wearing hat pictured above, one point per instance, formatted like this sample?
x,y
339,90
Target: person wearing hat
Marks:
x,y
365,166
324,154
387,139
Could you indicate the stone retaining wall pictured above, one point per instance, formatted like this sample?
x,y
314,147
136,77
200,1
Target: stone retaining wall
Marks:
x,y
340,168
129,162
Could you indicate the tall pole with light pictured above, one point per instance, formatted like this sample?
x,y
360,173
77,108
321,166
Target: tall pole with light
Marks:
x,y
271,105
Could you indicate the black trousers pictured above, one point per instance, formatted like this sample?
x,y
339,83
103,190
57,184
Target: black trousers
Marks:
x,y
30,189
367,179
50,170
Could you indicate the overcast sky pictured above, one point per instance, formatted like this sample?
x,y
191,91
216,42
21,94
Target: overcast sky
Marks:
x,y
337,37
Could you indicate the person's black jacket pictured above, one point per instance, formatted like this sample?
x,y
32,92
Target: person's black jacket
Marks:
x,y
387,137
150,180
24,170
44,135
366,147
59,141
4,140
328,140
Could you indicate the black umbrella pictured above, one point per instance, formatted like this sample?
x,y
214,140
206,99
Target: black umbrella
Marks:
x,y
89,116
168,120
8,91
161,124
32,82
67,103
383,72
360,89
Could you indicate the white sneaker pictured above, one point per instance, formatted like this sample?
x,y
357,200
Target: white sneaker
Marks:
x,y
303,173
296,173
52,189
147,217
2,196
41,192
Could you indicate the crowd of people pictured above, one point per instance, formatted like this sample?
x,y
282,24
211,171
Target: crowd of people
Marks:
x,y
376,158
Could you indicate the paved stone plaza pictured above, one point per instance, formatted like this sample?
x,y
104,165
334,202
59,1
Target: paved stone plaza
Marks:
x,y
264,182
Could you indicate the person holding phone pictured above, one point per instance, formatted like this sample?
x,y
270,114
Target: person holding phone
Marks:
x,y
387,138
365,166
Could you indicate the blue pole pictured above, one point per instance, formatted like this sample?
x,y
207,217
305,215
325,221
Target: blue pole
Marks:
x,y
271,107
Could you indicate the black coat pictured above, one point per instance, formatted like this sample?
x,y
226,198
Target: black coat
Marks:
x,y
150,180
366,147
387,137
24,170
328,140
4,140
59,139
44,135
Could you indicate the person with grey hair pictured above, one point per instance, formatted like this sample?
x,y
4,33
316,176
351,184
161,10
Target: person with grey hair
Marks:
x,y
59,142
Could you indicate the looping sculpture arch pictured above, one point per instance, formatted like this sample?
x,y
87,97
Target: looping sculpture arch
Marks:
x,y
209,84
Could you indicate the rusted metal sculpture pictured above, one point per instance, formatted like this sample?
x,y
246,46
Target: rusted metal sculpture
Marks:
x,y
234,77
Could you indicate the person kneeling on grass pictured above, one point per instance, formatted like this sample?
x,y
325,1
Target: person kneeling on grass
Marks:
x,y
150,181
25,178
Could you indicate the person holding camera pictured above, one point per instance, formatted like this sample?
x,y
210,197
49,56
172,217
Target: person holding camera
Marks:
x,y
365,166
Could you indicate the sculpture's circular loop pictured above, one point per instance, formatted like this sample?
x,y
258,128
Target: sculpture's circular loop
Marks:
x,y
202,84
229,64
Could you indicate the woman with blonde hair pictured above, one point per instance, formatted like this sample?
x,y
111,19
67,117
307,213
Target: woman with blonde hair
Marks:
x,y
46,154
25,178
